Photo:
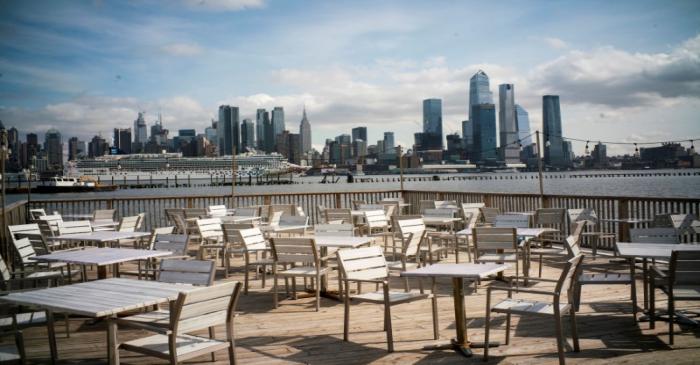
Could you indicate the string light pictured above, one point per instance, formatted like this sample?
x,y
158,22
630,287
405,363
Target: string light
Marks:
x,y
520,144
636,150
587,152
692,147
548,143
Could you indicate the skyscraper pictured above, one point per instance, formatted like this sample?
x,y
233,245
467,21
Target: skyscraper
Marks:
x,y
359,133
507,124
432,124
260,116
278,120
97,146
228,130
523,119
479,91
140,131
122,140
484,131
53,144
389,147
247,135
551,123
305,134
270,139
73,148
467,135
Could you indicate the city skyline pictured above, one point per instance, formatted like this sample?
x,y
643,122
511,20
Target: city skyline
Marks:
x,y
86,68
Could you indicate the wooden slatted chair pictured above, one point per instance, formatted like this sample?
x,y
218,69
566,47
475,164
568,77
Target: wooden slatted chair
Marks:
x,y
35,214
554,308
195,272
212,241
49,224
303,256
425,204
488,215
103,215
302,222
333,230
217,211
247,212
440,236
338,216
542,246
592,227
368,265
176,217
22,230
163,239
129,224
681,282
191,312
411,233
654,235
511,221
498,245
252,244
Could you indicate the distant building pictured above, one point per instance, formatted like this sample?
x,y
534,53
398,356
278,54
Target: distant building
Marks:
x,y
305,133
359,133
479,91
32,148
389,145
432,124
599,156
507,125
53,144
455,147
140,131
97,147
523,120
247,135
269,133
122,140
484,127
72,148
467,135
554,154
278,120
359,148
260,116
228,130
666,155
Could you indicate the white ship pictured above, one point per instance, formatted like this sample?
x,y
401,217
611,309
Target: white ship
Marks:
x,y
169,165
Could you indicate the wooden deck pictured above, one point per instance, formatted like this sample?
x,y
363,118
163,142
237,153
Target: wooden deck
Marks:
x,y
295,333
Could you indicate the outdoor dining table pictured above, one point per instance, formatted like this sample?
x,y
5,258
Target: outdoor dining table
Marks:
x,y
103,224
626,224
97,299
101,238
78,216
458,273
524,234
100,257
650,250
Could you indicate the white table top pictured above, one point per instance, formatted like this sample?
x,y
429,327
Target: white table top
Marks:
x,y
627,220
239,219
78,216
100,236
281,228
342,241
653,250
100,256
439,220
100,298
521,232
467,271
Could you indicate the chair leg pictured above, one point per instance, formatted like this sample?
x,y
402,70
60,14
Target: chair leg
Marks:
x,y
212,335
633,294
246,275
346,318
560,338
540,270
652,306
318,293
274,285
264,274
232,353
577,296
487,329
387,316
574,330
671,317
508,328
436,325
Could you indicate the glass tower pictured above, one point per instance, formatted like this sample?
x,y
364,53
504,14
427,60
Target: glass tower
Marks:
x,y
432,124
484,132
523,119
479,91
507,124
228,130
551,121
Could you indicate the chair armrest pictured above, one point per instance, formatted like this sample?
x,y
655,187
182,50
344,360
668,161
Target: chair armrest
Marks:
x,y
656,272
366,281
542,280
530,291
143,326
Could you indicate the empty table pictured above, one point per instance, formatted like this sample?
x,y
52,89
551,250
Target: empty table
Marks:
x,y
100,237
97,299
101,257
342,241
625,224
458,272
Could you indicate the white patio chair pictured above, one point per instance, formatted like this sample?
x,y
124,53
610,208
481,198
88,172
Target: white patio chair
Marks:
x,y
303,257
499,245
253,243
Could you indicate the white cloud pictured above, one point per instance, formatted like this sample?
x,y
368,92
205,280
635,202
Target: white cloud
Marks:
x,y
182,49
227,5
556,43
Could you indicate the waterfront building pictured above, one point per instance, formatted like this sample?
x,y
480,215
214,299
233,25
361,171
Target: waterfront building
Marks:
x,y
228,130
122,140
484,131
247,135
523,121
53,144
479,91
359,148
260,116
432,124
507,124
599,156
97,147
278,120
140,131
389,146
359,133
554,154
305,133
32,148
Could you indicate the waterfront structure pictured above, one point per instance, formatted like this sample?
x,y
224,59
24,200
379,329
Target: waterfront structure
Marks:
x,y
432,124
305,134
53,144
479,91
554,154
484,131
359,133
389,146
122,140
140,131
507,125
278,120
247,135
228,130
522,118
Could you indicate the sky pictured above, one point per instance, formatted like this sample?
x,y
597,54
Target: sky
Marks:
x,y
624,70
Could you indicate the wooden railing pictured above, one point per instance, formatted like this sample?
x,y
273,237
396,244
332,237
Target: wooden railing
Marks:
x,y
605,207
16,214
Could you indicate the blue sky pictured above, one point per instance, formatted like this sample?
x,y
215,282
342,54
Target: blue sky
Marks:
x,y
625,70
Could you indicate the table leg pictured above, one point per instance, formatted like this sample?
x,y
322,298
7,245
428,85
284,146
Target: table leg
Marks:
x,y
52,336
112,343
645,282
461,343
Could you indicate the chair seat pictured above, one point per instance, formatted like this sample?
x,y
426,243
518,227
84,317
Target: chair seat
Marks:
x,y
159,318
44,275
302,271
9,352
397,265
683,292
605,278
157,345
394,297
24,319
548,251
262,262
497,257
519,306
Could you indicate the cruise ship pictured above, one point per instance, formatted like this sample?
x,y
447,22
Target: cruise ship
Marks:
x,y
169,165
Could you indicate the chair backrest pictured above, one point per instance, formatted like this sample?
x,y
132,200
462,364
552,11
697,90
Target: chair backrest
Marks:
x,y
390,210
370,207
209,228
205,307
334,230
426,204
654,235
229,221
511,221
411,230
685,268
37,213
160,230
5,275
365,263
493,239
74,227
295,250
473,205
103,214
550,217
573,241
489,214
568,278
247,212
287,209
587,215
217,210
194,212
446,204
140,222
376,219
439,212
175,243
397,200
50,223
172,213
128,224
37,241
252,239
339,215
470,214
300,211
293,220
356,204
25,251
195,272
683,223
23,228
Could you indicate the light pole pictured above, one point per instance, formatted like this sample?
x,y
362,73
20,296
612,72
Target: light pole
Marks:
x,y
233,179
539,168
401,166
29,185
3,156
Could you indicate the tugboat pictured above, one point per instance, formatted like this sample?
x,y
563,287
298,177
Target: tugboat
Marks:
x,y
67,184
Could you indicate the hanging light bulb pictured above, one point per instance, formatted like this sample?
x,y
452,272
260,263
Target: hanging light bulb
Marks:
x,y
587,152
636,150
520,144
548,143
692,147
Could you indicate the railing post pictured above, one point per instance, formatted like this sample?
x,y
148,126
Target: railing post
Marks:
x,y
338,201
546,203
267,200
623,213
488,200
189,202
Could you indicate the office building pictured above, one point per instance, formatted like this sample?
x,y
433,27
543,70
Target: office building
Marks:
x,y
479,91
228,130
261,115
507,125
522,118
389,146
432,124
467,135
484,131
140,131
53,144
122,140
305,133
278,120
554,154
359,133
247,135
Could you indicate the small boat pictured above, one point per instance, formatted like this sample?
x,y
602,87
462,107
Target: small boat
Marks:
x,y
65,184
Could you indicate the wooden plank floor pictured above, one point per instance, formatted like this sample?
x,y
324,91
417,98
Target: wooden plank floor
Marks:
x,y
296,334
